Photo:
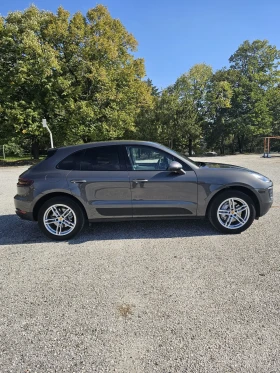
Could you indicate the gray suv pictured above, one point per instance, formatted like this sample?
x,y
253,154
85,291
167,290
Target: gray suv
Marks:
x,y
125,180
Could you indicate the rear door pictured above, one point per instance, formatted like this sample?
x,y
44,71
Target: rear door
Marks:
x,y
99,178
157,192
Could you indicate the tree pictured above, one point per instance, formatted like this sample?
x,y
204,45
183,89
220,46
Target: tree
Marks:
x,y
258,62
79,73
193,88
146,123
255,67
218,131
179,111
273,98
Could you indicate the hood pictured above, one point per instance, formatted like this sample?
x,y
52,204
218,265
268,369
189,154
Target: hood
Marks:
x,y
217,165
210,165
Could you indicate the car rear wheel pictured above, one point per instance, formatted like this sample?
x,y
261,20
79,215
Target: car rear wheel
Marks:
x,y
232,212
61,218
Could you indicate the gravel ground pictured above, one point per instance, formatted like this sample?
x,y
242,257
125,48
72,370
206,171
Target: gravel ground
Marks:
x,y
143,296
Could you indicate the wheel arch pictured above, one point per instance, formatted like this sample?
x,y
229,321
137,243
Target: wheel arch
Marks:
x,y
48,196
239,188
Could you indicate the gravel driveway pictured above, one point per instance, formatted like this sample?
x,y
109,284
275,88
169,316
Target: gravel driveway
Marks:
x,y
143,296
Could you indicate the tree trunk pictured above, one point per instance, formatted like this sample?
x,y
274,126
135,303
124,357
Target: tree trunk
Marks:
x,y
240,144
232,147
35,148
190,147
86,139
222,146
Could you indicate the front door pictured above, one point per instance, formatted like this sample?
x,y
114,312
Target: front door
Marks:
x,y
157,192
99,178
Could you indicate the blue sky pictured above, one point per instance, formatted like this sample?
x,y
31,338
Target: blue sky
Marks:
x,y
174,35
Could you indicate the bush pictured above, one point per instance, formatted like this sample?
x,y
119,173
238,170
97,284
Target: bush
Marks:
x,y
14,149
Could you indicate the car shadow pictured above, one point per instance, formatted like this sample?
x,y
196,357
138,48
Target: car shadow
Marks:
x,y
14,231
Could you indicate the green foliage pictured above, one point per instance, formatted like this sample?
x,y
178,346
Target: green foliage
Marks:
x,y
252,112
231,107
14,149
77,72
180,112
273,101
255,73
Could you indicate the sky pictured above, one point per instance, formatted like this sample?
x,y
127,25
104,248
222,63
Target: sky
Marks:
x,y
175,35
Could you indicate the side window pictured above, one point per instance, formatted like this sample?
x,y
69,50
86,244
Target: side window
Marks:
x,y
104,158
145,158
72,162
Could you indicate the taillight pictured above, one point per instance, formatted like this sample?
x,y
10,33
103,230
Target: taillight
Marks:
x,y
22,182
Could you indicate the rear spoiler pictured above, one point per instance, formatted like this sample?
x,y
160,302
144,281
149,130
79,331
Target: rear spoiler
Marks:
x,y
51,152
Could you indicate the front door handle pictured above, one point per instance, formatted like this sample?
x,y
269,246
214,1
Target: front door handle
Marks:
x,y
138,181
78,181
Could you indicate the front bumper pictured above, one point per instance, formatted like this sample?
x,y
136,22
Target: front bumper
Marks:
x,y
266,199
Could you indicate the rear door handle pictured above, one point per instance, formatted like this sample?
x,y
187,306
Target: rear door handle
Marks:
x,y
137,181
78,181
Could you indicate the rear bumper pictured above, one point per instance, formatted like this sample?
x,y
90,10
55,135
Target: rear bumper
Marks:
x,y
24,215
23,208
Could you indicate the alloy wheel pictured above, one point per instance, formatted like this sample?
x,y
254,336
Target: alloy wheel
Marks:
x,y
60,220
233,213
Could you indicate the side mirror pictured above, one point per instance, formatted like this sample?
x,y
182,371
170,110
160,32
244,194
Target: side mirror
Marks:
x,y
176,167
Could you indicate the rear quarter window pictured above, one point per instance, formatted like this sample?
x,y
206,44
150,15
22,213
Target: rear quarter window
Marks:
x,y
72,162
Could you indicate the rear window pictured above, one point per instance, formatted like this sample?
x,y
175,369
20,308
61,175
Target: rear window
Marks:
x,y
72,162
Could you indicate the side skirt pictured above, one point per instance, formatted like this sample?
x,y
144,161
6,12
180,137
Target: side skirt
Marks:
x,y
146,218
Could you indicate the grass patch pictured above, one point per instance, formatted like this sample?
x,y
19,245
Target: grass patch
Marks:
x,y
19,161
15,158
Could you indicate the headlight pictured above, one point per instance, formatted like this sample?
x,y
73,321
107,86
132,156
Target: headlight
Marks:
x,y
262,178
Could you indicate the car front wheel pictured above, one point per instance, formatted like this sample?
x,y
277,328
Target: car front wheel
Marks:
x,y
61,218
232,212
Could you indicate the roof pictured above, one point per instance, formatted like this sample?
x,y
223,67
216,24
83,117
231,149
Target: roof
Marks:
x,y
67,150
107,143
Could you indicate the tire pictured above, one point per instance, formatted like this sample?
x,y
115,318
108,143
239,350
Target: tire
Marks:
x,y
56,226
239,212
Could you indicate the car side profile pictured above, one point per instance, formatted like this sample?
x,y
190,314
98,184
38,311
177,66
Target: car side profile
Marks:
x,y
126,180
